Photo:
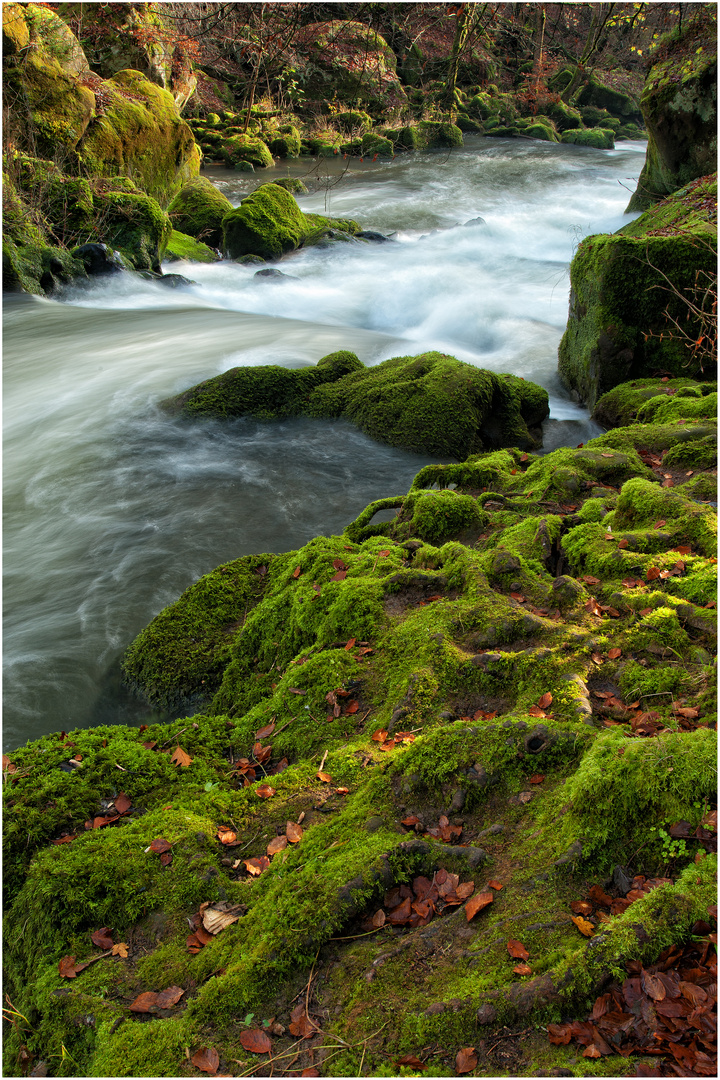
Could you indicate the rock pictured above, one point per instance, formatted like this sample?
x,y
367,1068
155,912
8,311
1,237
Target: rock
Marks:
x,y
566,591
458,801
680,111
615,321
598,138
274,274
293,184
240,149
374,237
99,259
270,223
198,210
486,1014
182,247
431,403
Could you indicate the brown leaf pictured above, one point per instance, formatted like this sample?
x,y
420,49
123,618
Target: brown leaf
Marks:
x,y
518,596
325,777
102,938
536,778
338,564
465,1061
181,758
614,653
517,950
122,803
412,1062
622,543
143,1003
581,907
279,843
256,866
67,967
294,832
495,884
379,736
340,576
264,732
476,903
310,1072
378,918
590,580
351,707
256,1041
294,690
264,791
206,1059
64,839
652,985
296,572
559,1034
545,700
120,950
591,1051
226,835
167,998
522,969
193,943
160,845
599,896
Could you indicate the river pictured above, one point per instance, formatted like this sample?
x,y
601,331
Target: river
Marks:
x,y
112,508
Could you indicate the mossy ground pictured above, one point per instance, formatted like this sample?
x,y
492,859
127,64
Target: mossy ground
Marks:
x,y
447,625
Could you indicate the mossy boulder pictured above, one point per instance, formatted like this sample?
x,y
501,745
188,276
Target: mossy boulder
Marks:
x,y
198,209
372,143
348,62
627,287
286,143
239,149
541,127
619,104
565,117
679,108
135,225
353,121
598,138
141,135
182,247
269,223
430,403
436,134
293,184
626,403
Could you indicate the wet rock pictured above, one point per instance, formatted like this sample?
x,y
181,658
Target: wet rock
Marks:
x,y
504,562
374,237
99,259
622,880
486,1014
566,591
458,800
270,272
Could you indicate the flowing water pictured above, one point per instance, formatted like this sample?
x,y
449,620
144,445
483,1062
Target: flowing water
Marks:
x,y
112,507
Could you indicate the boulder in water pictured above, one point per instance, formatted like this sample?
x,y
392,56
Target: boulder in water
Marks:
x,y
198,210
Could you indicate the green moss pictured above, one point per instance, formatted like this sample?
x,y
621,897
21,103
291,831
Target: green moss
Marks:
x,y
353,120
617,330
293,184
622,405
436,134
180,657
241,148
680,111
198,210
376,144
541,130
426,403
182,247
270,223
135,225
286,143
598,138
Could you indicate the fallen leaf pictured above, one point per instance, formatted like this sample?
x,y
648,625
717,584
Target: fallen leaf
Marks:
x,y
206,1059
167,998
67,967
351,707
122,803
581,907
276,845
465,1061
517,950
591,1051
216,919
102,938
325,777
181,758
226,835
477,903
536,778
342,790
350,644
522,969
340,576
622,543
256,1041
296,572
120,950
293,832
143,1003
495,884
264,791
294,690
614,653
412,1062
159,845
586,928
264,732
64,839
255,867
652,573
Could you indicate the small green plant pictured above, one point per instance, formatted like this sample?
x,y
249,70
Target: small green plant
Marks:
x,y
671,849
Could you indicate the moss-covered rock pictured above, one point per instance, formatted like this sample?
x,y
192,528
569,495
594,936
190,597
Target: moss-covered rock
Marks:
x,y
371,143
620,284
598,138
182,247
286,144
241,148
353,121
565,117
680,110
135,225
619,104
198,210
293,184
397,672
430,403
269,223
436,134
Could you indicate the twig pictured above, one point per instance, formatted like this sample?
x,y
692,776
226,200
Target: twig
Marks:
x,y
323,761
356,936
174,737
284,725
510,1035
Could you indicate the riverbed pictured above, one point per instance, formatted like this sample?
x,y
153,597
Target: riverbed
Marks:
x,y
113,508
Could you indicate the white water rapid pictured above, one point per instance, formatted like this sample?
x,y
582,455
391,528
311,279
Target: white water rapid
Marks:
x,y
112,508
